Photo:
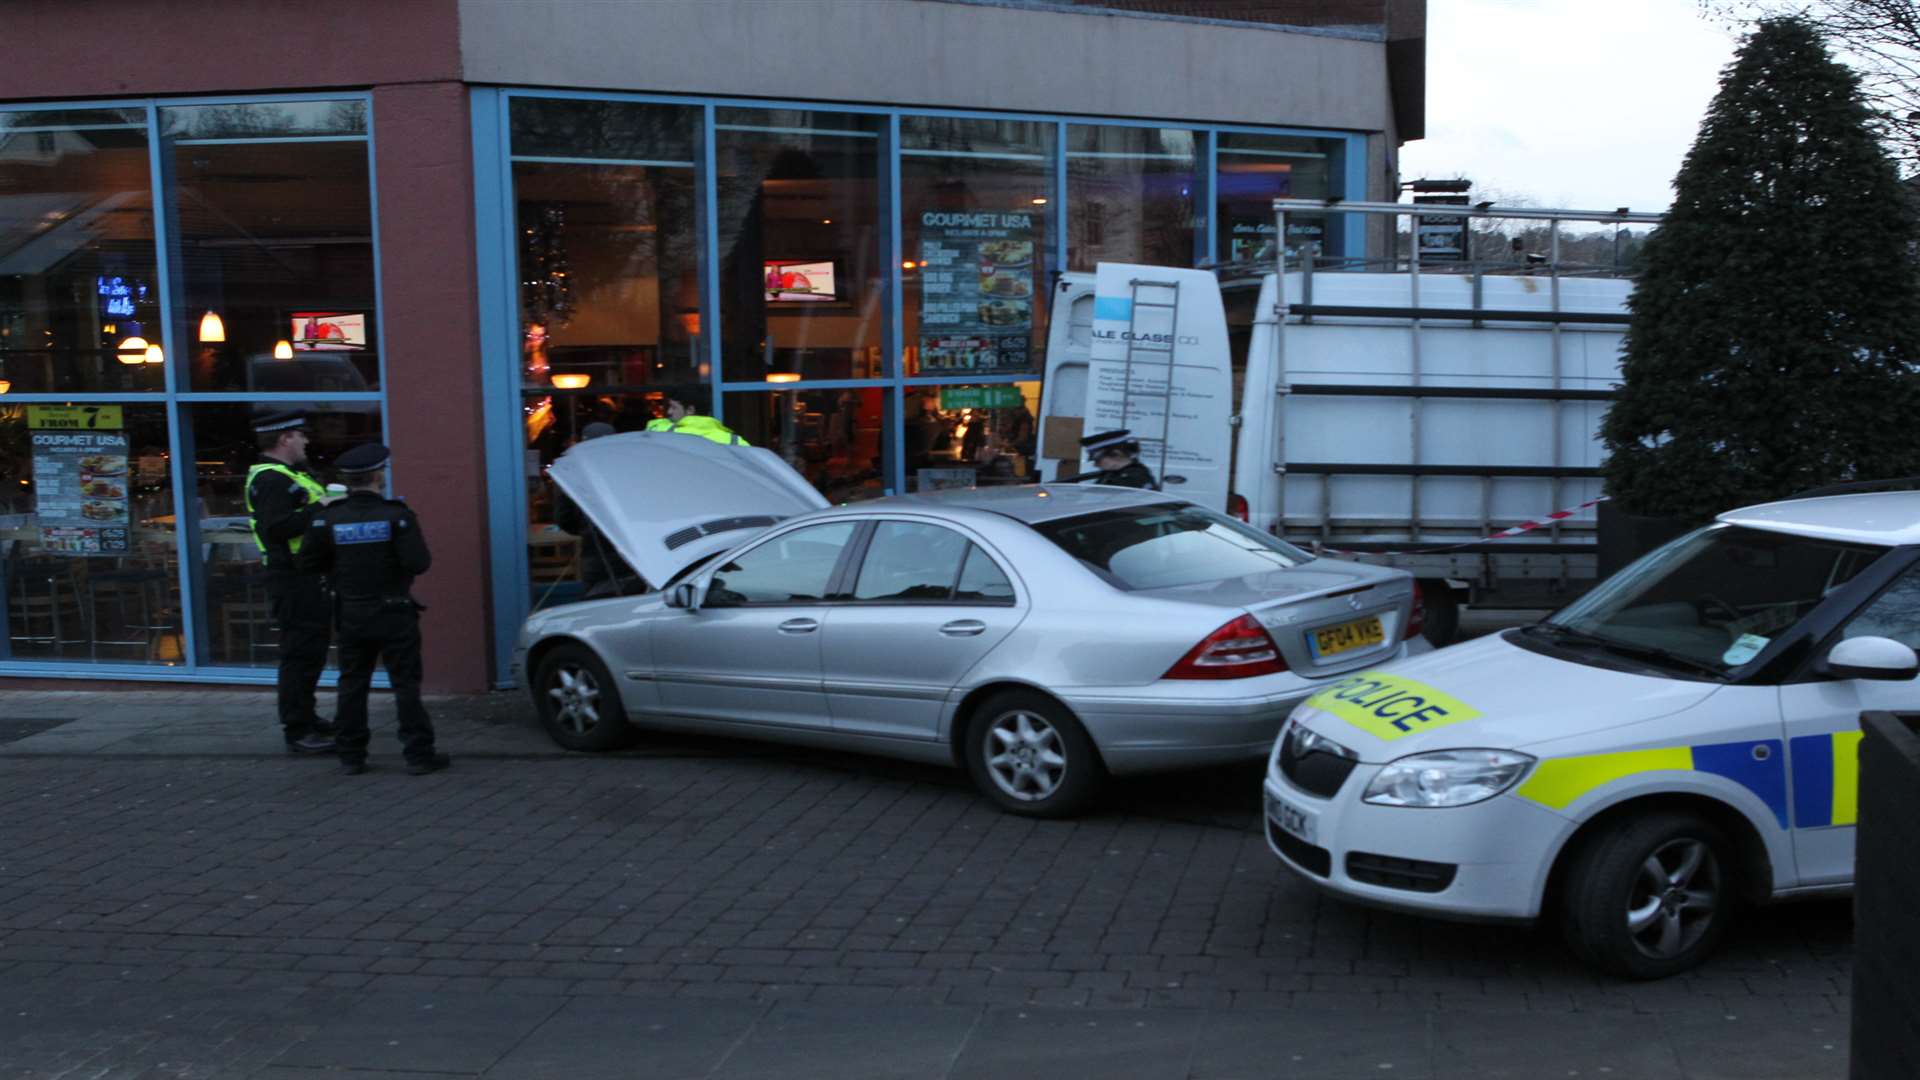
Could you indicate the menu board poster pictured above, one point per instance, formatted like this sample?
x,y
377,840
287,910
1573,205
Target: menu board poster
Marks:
x,y
80,491
977,274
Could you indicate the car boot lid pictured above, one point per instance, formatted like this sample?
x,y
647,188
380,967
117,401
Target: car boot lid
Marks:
x,y
665,500
1487,693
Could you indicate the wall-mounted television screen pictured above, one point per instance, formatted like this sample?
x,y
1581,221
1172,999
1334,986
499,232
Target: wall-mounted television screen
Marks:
x,y
797,281
328,330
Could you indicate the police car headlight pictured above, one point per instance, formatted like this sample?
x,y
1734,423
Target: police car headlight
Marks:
x,y
1447,778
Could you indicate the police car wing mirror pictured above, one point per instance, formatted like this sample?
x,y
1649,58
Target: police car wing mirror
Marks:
x,y
1871,658
684,595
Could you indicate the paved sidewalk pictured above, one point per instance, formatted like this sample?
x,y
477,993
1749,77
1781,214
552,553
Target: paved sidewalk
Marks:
x,y
180,898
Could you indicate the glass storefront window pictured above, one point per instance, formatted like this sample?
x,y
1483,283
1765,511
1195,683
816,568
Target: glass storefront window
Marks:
x,y
837,439
803,280
609,256
78,270
1253,170
275,239
977,231
1130,196
89,564
238,627
971,436
564,561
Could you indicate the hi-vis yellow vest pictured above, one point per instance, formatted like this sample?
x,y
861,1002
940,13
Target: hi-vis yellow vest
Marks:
x,y
705,427
312,487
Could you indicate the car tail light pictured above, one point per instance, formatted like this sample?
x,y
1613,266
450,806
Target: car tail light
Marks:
x,y
1417,618
1237,506
1235,651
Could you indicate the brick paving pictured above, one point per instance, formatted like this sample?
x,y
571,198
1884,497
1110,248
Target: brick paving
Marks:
x,y
159,854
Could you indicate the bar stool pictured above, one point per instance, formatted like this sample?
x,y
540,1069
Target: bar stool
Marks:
x,y
44,607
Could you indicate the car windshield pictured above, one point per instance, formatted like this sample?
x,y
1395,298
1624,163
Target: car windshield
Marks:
x,y
1167,544
1710,601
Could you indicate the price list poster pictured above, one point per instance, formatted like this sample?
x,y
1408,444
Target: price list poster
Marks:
x,y
80,479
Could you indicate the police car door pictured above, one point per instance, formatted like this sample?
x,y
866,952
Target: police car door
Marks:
x,y
1823,736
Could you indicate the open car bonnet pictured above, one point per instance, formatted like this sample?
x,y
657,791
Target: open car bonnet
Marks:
x,y
664,500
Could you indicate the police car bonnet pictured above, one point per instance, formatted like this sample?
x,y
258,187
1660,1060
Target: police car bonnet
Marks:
x,y
665,500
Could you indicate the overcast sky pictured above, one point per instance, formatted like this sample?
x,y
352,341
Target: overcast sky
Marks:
x,y
1582,104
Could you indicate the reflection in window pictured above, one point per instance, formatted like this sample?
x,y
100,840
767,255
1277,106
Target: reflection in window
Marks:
x,y
802,276
834,438
976,224
794,568
982,581
276,245
78,275
89,561
237,626
971,436
1895,614
1129,196
909,560
1254,170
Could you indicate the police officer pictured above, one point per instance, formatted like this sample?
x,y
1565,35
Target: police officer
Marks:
x,y
372,548
281,498
683,416
1116,459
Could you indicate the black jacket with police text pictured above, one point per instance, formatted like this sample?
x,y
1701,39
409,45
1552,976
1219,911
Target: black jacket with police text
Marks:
x,y
370,546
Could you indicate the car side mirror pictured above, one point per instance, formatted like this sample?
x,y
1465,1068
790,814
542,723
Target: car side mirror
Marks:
x,y
684,595
1871,658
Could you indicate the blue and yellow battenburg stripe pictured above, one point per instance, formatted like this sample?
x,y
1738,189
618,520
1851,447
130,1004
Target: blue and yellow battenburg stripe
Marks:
x,y
1756,765
1826,779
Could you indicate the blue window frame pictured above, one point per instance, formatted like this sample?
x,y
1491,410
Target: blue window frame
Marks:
x,y
499,290
165,619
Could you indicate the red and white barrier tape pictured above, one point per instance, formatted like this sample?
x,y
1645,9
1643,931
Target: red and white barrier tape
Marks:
x,y
1523,527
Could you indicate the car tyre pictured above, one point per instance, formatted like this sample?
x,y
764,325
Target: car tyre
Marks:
x,y
1651,896
1029,755
578,702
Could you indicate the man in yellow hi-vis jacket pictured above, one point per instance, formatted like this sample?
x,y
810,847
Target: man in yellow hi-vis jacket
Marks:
x,y
683,416
281,497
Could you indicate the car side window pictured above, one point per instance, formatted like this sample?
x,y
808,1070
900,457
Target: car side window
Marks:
x,y
793,568
910,560
982,581
1894,614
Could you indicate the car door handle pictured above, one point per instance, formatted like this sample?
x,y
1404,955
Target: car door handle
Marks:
x,y
799,626
964,628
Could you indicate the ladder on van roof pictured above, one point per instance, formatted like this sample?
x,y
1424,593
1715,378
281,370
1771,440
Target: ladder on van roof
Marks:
x,y
1160,350
1414,265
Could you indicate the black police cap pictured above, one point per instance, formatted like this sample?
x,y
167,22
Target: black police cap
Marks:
x,y
364,458
1107,440
284,420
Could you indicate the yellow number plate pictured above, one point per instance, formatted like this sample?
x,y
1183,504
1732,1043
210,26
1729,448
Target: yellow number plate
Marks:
x,y
1347,636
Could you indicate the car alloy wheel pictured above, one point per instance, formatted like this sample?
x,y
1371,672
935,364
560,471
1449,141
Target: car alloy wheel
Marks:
x,y
1675,899
1025,757
576,696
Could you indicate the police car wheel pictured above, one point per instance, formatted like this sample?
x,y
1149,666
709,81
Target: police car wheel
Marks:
x,y
578,701
1651,896
1031,757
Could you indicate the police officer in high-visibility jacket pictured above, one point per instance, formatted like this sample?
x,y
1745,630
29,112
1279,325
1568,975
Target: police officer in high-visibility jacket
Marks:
x,y
372,548
281,497
683,416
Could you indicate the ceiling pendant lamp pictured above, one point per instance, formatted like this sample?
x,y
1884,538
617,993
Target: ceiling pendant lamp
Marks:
x,y
154,355
212,329
133,350
283,350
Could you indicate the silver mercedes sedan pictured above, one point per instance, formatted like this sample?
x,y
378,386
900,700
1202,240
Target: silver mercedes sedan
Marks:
x,y
1042,637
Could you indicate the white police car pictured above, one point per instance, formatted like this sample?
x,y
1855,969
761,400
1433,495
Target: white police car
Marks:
x,y
1682,739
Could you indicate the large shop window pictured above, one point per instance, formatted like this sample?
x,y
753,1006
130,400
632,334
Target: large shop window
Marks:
x,y
971,436
610,260
124,538
87,535
803,279
79,281
274,224
1252,171
977,227
1130,196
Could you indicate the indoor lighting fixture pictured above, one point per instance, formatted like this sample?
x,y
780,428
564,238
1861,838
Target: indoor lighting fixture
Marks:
x,y
908,265
574,381
783,376
154,355
5,385
283,350
1039,202
133,350
211,328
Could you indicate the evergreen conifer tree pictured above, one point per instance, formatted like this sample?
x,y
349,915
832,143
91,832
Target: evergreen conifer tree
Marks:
x,y
1776,324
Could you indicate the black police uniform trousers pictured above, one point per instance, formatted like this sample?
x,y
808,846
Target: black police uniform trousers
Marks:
x,y
305,618
372,631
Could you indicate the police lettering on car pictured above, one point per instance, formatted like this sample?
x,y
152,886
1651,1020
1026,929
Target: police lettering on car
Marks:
x,y
373,549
